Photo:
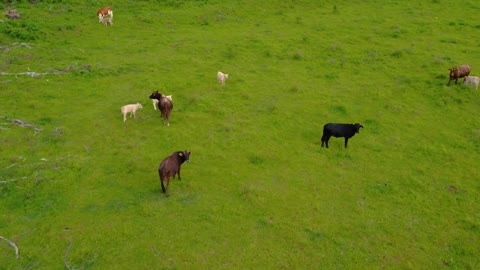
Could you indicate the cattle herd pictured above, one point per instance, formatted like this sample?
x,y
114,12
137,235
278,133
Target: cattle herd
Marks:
x,y
170,166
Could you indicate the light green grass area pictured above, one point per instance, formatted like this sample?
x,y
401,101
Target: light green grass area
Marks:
x,y
259,191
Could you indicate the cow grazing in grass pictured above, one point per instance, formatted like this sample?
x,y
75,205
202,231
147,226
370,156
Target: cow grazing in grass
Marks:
x,y
339,130
472,80
459,72
165,105
170,166
104,11
130,108
221,77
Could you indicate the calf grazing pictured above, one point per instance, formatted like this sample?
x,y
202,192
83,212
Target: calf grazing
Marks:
x,y
104,11
130,108
108,20
170,166
459,72
221,77
339,130
165,105
472,80
155,101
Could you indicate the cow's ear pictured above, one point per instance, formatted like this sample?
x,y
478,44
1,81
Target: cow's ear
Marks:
x,y
180,154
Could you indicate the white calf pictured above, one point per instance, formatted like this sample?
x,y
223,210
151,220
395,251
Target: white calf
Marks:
x,y
221,77
130,108
472,80
155,101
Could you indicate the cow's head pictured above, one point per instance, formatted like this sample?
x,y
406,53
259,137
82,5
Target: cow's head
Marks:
x,y
453,71
357,127
185,155
155,95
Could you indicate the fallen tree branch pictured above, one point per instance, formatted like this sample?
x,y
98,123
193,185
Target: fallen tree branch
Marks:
x,y
21,123
15,45
12,180
29,73
65,258
39,74
13,245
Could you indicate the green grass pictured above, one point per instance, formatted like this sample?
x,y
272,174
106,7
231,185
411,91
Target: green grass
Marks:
x,y
259,192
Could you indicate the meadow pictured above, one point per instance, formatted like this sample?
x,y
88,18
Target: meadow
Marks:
x,y
79,188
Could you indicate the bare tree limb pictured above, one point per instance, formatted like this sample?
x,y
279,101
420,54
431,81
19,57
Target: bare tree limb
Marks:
x,y
29,73
13,245
21,123
65,258
14,46
51,71
12,180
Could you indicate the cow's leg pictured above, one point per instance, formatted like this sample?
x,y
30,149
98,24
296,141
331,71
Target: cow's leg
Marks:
x,y
325,140
161,181
449,81
346,141
179,178
166,188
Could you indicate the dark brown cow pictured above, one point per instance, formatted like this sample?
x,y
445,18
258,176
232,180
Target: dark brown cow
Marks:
x,y
459,72
170,166
165,105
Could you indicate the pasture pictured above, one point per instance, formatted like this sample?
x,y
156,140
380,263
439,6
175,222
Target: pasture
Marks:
x,y
80,188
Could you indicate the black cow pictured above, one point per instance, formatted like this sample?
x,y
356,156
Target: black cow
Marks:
x,y
165,105
339,130
170,166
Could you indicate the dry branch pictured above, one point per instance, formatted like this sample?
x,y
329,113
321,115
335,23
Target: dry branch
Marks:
x,y
65,259
14,46
21,123
13,245
50,72
12,180
29,73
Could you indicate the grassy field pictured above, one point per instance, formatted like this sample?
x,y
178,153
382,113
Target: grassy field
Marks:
x,y
82,191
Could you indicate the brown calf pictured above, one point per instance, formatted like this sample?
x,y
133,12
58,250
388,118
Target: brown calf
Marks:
x,y
459,72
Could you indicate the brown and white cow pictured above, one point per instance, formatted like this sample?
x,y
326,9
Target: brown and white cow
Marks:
x,y
104,11
170,166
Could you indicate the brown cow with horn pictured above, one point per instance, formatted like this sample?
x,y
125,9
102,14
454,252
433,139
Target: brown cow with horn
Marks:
x,y
170,166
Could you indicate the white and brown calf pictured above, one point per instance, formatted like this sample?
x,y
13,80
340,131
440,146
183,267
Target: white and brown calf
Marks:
x,y
104,11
